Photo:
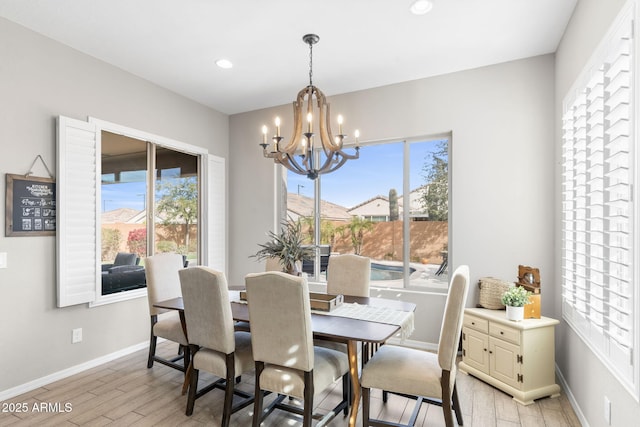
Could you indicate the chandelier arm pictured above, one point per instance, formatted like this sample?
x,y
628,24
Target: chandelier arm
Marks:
x,y
289,162
333,168
294,142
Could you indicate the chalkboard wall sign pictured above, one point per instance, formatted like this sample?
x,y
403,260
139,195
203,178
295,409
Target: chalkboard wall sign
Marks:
x,y
30,206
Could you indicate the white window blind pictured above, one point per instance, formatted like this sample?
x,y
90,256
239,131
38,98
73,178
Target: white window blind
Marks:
x,y
598,207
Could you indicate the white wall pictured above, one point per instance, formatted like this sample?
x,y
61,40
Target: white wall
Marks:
x,y
588,379
501,118
39,80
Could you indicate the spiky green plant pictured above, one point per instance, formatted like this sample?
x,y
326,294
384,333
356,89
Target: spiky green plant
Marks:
x,y
287,246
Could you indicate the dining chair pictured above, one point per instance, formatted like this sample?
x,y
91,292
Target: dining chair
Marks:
x,y
272,264
163,283
215,346
426,376
286,361
348,274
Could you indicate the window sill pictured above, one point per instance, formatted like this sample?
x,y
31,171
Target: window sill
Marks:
x,y
118,297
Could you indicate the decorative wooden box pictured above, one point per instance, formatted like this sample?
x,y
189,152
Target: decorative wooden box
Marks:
x,y
321,302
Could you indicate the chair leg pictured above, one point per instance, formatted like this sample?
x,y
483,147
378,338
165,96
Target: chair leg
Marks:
x,y
456,405
152,343
308,399
228,393
446,398
193,385
346,392
186,357
257,403
365,406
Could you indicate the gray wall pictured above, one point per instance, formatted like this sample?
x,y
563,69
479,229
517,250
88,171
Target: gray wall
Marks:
x,y
501,118
39,80
588,379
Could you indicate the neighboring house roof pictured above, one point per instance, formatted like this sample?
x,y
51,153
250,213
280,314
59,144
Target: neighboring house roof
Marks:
x,y
379,205
121,215
375,206
302,206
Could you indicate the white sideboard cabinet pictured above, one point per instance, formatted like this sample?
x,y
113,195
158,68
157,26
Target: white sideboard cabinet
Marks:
x,y
515,357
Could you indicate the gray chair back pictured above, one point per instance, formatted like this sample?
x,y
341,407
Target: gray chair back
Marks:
x,y
452,318
349,274
163,282
207,309
280,318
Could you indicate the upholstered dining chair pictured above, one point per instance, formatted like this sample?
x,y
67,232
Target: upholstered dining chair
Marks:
x,y
163,283
272,264
427,376
348,274
286,361
215,346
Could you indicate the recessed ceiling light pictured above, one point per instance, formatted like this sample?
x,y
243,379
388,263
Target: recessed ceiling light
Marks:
x,y
224,63
420,7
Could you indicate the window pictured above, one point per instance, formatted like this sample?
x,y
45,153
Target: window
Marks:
x,y
391,205
134,171
87,169
598,208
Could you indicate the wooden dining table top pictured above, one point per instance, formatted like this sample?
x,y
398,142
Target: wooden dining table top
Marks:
x,y
324,324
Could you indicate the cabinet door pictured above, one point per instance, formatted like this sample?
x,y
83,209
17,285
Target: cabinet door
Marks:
x,y
475,349
503,362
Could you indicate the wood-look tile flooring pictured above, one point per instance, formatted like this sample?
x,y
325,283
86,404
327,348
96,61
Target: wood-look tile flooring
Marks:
x,y
125,393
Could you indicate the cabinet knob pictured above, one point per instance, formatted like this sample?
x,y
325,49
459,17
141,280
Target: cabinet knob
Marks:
x,y
501,333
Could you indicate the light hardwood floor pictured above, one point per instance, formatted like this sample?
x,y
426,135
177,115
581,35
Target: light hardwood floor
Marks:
x,y
125,393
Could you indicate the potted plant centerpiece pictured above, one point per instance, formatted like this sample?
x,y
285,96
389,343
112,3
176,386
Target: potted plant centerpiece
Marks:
x,y
515,298
287,246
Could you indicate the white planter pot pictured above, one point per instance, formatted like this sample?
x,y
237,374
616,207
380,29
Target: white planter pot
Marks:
x,y
515,313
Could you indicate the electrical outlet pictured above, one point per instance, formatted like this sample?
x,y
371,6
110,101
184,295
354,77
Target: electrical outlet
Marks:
x,y
3,260
607,410
76,336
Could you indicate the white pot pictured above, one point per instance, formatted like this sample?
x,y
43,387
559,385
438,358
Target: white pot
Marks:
x,y
515,313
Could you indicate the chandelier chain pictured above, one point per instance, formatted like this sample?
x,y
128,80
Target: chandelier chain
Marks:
x,y
310,64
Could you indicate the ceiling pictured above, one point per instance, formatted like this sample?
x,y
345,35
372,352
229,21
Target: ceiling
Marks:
x,y
363,43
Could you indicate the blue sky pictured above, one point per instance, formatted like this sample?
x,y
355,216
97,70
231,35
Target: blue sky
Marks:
x,y
378,169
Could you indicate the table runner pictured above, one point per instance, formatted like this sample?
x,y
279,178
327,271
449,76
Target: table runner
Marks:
x,y
404,319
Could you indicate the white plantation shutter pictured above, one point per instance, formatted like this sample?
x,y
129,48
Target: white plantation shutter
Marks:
x,y
77,211
598,207
215,213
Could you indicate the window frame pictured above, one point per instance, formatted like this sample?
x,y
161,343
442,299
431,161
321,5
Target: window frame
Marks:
x,y
281,195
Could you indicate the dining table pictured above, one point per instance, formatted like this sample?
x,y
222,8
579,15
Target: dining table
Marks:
x,y
333,327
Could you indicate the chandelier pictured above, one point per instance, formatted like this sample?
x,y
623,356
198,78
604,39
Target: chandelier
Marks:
x,y
314,157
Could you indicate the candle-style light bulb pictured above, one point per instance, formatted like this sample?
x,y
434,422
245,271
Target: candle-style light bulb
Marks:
x,y
277,126
357,135
340,124
264,134
309,122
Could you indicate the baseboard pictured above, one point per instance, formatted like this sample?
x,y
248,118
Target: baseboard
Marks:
x,y
572,399
40,382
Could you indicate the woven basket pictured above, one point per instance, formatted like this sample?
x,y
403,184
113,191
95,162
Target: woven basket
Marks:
x,y
491,291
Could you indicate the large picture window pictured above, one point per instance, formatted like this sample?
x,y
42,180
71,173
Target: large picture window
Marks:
x,y
391,205
599,235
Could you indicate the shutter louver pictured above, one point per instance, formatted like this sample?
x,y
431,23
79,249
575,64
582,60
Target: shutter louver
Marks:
x,y
76,212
